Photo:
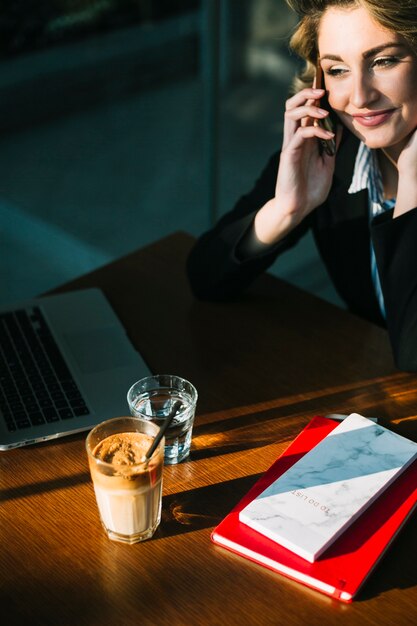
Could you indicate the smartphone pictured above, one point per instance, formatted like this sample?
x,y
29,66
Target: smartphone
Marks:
x,y
328,145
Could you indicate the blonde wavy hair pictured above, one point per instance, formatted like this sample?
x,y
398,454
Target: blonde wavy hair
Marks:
x,y
399,16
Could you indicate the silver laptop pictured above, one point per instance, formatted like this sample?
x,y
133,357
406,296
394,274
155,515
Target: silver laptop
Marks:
x,y
66,364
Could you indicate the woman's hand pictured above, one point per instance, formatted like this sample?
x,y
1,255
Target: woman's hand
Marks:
x,y
304,175
407,177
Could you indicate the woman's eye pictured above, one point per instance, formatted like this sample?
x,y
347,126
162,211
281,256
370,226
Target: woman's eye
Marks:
x,y
336,71
385,61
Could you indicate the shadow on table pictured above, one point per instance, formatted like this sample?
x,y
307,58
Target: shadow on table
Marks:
x,y
230,435
397,569
203,507
44,486
63,601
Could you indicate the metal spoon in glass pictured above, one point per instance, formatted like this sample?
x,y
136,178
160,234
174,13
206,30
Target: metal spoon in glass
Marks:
x,y
147,457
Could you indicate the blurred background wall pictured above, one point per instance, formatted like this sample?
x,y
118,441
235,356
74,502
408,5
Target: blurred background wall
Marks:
x,y
122,121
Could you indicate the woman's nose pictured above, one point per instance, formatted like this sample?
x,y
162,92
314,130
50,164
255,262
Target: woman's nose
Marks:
x,y
363,91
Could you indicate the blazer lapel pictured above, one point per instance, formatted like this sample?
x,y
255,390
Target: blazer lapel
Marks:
x,y
342,235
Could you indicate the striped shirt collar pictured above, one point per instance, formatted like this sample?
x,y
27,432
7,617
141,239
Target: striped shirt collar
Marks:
x,y
367,175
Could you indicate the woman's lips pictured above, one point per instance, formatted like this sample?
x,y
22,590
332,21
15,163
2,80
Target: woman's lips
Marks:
x,y
373,119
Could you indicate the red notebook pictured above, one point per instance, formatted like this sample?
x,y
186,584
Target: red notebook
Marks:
x,y
343,568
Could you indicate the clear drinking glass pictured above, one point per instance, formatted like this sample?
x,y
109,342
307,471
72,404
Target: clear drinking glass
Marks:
x,y
128,489
155,398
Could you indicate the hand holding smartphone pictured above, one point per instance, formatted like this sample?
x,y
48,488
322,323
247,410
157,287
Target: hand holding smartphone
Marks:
x,y
328,145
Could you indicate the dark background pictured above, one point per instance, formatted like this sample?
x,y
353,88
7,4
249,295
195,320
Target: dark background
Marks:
x,y
122,121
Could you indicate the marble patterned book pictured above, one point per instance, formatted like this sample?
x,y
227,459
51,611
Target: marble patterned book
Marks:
x,y
319,497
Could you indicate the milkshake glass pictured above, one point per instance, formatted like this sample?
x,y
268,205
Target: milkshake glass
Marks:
x,y
128,487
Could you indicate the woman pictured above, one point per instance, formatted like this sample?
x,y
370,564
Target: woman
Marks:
x,y
361,203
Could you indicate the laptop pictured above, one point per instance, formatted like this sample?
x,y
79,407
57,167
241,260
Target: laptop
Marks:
x,y
66,364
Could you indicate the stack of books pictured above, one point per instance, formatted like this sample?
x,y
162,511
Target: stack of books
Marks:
x,y
328,508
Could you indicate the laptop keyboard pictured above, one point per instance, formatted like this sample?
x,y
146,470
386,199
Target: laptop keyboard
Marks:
x,y
36,385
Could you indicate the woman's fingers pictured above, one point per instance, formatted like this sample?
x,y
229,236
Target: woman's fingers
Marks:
x,y
308,132
301,110
308,110
303,96
305,116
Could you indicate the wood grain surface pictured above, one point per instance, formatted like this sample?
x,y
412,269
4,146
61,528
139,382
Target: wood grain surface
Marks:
x,y
263,365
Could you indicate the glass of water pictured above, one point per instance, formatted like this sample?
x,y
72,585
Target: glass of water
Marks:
x,y
156,397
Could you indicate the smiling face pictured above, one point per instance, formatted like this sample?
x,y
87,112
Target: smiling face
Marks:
x,y
371,77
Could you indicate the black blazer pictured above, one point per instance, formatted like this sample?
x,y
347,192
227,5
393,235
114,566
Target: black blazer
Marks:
x,y
342,232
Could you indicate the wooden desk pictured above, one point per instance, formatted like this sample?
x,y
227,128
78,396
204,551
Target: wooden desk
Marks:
x,y
263,366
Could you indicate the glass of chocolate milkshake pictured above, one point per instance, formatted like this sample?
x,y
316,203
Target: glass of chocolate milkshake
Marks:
x,y
128,487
